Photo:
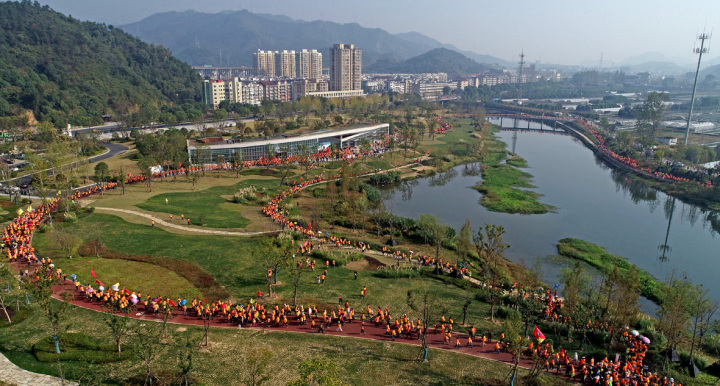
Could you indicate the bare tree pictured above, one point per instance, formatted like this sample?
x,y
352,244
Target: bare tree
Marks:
x,y
427,307
256,363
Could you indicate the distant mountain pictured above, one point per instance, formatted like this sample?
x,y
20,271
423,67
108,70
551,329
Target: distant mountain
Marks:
x,y
230,38
432,43
655,68
437,60
645,57
68,71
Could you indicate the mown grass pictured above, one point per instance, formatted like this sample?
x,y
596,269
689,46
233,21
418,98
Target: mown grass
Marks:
x,y
605,262
210,207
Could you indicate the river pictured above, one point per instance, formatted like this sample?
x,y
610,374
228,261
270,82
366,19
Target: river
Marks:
x,y
593,202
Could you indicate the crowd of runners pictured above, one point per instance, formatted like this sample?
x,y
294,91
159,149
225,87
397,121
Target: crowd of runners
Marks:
x,y
377,322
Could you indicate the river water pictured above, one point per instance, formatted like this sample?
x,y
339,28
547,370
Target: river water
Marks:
x,y
593,202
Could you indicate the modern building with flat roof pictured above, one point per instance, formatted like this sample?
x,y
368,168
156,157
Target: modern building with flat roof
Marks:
x,y
204,152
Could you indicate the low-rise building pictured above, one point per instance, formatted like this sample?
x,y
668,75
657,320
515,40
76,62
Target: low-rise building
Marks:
x,y
205,152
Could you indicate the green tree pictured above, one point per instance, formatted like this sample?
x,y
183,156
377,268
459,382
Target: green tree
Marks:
x,y
489,243
650,117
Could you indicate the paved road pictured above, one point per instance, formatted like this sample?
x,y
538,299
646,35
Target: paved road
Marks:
x,y
113,150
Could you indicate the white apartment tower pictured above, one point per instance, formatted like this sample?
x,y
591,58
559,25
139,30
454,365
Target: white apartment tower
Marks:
x,y
345,68
285,64
308,64
264,63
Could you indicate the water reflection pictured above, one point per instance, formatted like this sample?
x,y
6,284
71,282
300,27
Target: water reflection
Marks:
x,y
665,248
441,179
406,188
471,170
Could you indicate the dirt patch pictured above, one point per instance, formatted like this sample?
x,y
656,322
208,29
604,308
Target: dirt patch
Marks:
x,y
366,264
5,204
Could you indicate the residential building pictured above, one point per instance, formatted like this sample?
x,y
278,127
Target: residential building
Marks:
x,y
252,93
303,87
277,90
308,64
216,91
431,89
345,68
284,64
264,63
490,80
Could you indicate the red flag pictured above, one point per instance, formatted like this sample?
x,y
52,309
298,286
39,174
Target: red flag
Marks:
x,y
539,335
126,291
99,282
92,271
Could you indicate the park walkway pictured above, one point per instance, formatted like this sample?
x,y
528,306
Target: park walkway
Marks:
x,y
163,223
13,375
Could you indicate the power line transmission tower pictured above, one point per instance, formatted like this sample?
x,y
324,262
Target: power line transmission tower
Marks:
x,y
520,71
702,37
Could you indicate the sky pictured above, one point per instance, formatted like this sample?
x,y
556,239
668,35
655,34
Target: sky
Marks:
x,y
549,31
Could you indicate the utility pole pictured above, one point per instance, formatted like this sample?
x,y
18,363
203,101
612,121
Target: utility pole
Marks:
x,y
522,63
702,37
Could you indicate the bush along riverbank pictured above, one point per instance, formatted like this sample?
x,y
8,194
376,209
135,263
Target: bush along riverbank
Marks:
x,y
501,188
605,262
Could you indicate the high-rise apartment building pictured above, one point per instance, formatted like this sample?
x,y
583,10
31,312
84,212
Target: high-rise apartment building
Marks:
x,y
345,68
264,63
284,64
308,64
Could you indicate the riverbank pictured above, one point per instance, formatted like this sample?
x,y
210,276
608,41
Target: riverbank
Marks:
x,y
597,257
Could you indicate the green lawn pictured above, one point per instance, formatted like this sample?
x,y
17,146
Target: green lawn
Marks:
x,y
213,206
231,262
133,275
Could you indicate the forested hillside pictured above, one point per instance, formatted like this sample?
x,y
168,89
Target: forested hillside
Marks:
x,y
67,71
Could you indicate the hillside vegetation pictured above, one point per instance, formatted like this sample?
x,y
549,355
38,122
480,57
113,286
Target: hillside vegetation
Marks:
x,y
67,71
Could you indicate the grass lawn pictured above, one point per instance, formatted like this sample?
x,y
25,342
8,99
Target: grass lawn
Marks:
x,y
604,261
212,207
132,274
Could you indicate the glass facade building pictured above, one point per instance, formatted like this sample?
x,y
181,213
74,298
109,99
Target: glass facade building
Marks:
x,y
225,150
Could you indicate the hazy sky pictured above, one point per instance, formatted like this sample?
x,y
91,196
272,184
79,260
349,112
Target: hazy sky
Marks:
x,y
554,31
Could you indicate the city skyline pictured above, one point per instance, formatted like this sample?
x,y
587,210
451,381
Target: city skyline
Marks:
x,y
616,31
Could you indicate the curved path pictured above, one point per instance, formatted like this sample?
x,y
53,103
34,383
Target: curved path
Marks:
x,y
350,330
13,375
179,227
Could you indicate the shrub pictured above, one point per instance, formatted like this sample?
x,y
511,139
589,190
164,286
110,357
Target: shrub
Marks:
x,y
78,347
70,217
318,192
44,228
245,196
506,312
16,317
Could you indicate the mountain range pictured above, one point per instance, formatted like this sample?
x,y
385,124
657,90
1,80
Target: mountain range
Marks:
x,y
229,38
